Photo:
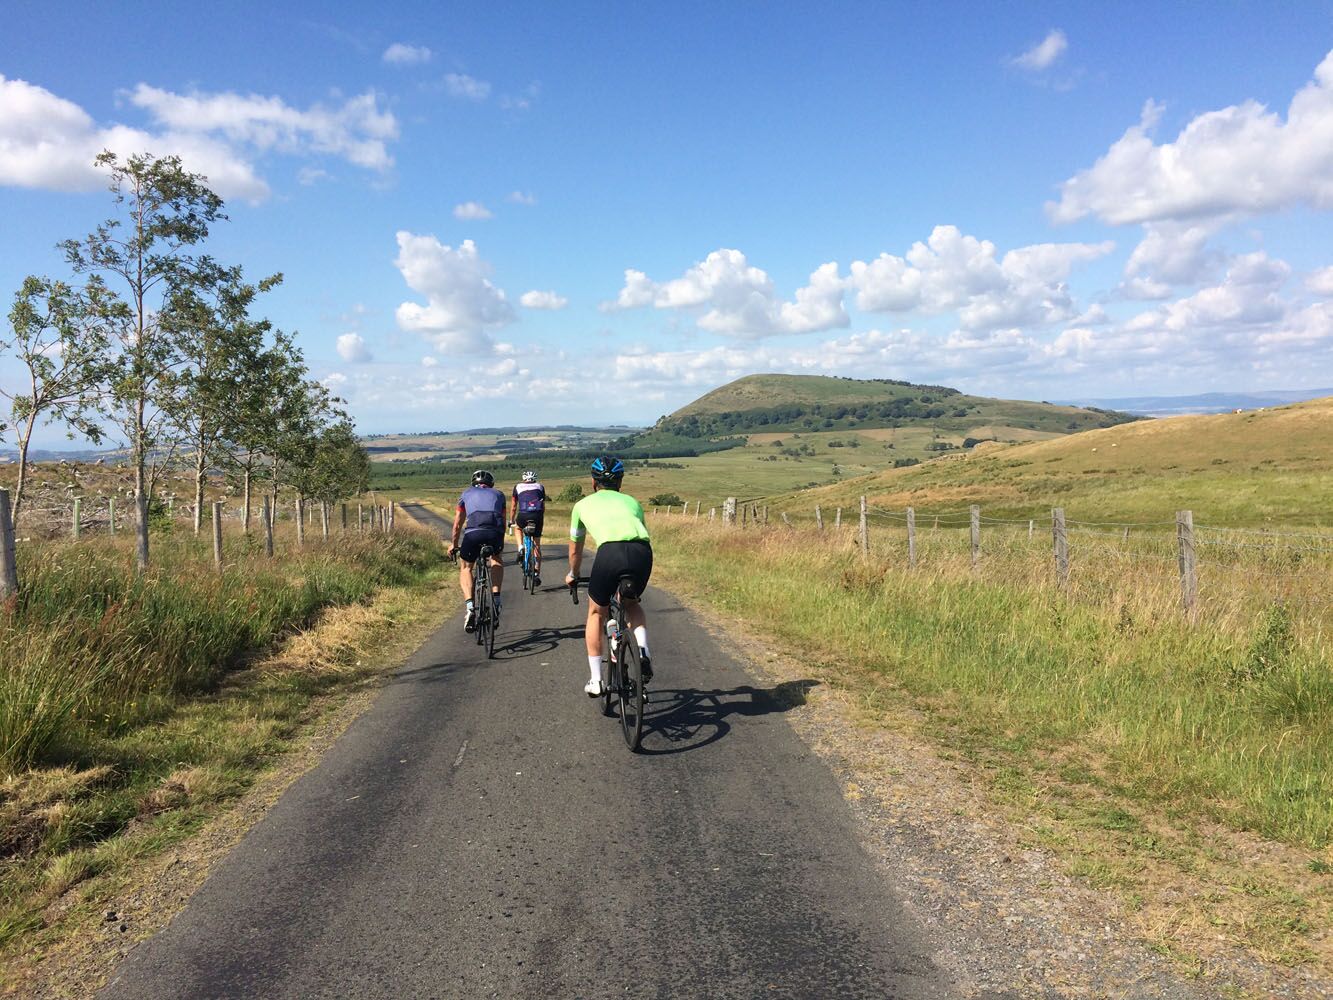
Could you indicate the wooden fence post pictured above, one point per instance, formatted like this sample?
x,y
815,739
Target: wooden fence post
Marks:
x,y
697,505
324,517
712,513
1061,538
785,519
1189,581
1032,524
392,505
111,515
976,535
300,521
268,528
745,514
77,526
360,519
819,517
864,533
9,573
217,534
344,513
911,538
837,518
765,515
1126,536
729,511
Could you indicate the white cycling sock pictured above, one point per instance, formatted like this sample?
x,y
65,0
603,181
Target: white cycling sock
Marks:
x,y
595,667
641,637
469,604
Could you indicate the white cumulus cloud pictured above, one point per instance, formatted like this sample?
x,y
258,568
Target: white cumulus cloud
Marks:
x,y
739,299
1243,159
462,305
49,142
466,87
1171,254
1044,54
401,54
521,198
472,211
953,271
352,349
543,300
1321,281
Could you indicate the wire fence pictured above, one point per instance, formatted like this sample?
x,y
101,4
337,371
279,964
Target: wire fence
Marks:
x,y
1203,571
83,517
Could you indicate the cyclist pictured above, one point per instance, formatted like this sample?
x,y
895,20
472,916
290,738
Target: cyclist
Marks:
x,y
615,521
479,520
529,508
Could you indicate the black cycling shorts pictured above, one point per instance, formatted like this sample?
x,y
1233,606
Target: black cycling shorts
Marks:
x,y
537,518
617,559
469,546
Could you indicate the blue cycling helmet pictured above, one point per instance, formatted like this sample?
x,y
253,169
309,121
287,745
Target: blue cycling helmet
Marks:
x,y
608,471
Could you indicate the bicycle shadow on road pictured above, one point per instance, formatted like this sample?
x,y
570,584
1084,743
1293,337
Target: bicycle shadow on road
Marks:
x,y
683,719
538,641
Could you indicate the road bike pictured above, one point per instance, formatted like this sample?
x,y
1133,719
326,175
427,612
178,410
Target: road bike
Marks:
x,y
528,559
625,670
483,601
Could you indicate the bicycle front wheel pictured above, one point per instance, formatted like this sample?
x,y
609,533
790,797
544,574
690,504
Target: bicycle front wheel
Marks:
x,y
630,675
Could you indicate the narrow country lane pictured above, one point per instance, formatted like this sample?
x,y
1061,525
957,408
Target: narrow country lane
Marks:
x,y
482,831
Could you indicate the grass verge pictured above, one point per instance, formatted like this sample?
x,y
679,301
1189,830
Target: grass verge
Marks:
x,y
1187,768
271,648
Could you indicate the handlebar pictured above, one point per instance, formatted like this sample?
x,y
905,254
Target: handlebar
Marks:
x,y
574,588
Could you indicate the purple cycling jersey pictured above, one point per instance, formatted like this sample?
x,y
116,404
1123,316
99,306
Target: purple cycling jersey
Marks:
x,y
484,507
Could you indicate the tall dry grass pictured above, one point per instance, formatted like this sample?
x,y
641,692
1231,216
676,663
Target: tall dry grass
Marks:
x,y
89,648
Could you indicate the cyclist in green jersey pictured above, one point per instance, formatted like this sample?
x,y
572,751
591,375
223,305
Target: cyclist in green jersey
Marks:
x,y
615,521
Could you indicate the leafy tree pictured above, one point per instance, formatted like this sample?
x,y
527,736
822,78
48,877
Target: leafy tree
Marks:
x,y
162,211
266,382
217,339
62,348
572,493
665,500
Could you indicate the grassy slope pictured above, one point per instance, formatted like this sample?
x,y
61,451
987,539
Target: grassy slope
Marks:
x,y
1270,466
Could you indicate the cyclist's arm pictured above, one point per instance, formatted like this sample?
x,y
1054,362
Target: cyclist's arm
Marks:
x,y
460,517
577,535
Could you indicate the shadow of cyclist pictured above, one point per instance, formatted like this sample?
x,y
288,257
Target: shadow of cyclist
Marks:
x,y
683,719
538,641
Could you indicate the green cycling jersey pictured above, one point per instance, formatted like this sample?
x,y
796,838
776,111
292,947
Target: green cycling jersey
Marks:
x,y
609,516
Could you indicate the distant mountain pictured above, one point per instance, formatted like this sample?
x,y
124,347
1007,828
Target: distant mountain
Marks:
x,y
799,403
1207,402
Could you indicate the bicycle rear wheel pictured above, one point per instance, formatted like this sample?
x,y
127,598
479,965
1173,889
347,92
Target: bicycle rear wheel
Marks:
x,y
630,675
481,587
488,628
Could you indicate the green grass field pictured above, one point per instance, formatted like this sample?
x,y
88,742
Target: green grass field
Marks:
x,y
1270,468
1144,749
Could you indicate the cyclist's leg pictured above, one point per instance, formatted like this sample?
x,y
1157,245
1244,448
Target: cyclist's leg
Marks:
x,y
593,630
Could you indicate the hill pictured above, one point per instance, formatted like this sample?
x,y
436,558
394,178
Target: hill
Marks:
x,y
812,403
1260,467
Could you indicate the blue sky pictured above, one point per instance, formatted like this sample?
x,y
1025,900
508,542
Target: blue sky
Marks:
x,y
514,213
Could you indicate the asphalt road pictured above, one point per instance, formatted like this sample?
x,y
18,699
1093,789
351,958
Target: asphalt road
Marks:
x,y
482,831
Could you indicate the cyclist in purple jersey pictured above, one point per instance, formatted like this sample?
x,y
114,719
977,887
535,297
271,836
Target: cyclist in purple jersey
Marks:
x,y
479,520
529,508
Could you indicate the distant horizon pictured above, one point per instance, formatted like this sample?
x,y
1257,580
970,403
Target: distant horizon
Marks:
x,y
1289,396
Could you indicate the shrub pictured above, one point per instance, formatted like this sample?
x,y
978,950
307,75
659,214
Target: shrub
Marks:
x,y
572,493
665,500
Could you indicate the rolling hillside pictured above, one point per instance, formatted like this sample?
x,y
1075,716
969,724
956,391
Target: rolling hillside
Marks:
x,y
1262,467
812,403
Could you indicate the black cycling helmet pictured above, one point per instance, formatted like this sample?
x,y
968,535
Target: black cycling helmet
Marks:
x,y
482,478
608,471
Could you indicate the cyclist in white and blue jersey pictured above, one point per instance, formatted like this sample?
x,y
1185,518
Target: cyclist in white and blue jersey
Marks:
x,y
529,508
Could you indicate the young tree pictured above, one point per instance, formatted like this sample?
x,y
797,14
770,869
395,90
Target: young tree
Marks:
x,y
216,339
265,380
162,211
63,349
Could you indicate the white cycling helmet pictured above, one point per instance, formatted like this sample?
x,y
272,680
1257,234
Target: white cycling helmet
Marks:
x,y
529,476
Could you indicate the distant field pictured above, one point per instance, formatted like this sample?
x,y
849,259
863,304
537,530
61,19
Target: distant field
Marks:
x,y
1254,468
462,445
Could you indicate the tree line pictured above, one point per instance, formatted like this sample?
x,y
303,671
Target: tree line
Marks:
x,y
151,341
